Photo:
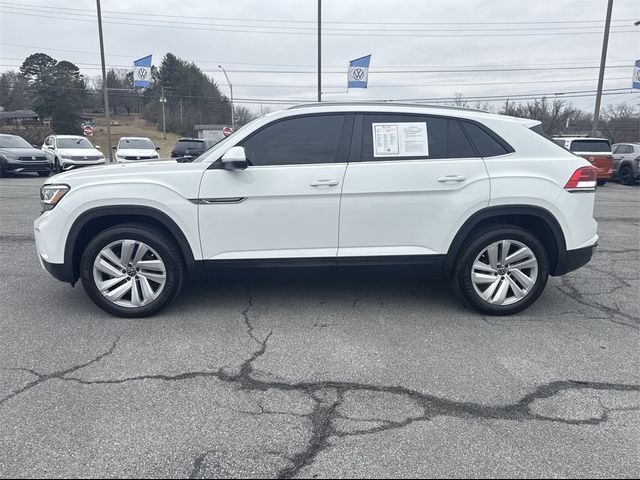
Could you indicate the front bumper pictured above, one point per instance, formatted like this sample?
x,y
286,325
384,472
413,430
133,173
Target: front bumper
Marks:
x,y
69,164
59,271
33,166
571,260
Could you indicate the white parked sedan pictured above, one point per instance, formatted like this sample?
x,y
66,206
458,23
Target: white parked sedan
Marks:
x,y
132,149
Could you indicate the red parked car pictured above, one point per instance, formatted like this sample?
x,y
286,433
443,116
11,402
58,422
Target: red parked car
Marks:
x,y
595,150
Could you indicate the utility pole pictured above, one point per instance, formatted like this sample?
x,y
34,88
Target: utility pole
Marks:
x,y
163,100
180,113
105,90
603,61
319,51
233,120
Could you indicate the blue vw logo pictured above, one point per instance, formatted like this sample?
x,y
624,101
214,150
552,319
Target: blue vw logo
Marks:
x,y
358,73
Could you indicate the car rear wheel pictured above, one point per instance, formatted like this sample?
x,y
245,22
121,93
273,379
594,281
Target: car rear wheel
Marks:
x,y
132,270
626,175
503,270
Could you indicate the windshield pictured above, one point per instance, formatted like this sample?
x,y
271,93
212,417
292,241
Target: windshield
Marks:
x,y
225,140
14,142
590,146
77,142
141,143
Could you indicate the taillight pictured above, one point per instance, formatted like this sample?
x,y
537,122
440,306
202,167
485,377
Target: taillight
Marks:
x,y
584,178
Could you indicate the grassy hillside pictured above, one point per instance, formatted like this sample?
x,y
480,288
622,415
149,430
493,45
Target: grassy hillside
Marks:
x,y
131,126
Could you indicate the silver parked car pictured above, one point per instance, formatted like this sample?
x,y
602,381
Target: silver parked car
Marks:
x,y
626,162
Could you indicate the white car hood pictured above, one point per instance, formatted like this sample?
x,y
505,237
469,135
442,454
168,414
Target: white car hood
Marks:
x,y
136,152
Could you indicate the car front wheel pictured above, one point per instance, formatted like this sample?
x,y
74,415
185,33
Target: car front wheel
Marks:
x,y
503,270
132,270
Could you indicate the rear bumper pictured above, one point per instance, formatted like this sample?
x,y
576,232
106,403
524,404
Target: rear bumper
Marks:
x,y
571,260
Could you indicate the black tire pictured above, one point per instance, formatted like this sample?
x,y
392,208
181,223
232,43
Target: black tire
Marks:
x,y
3,169
44,173
56,165
476,244
625,174
601,182
159,241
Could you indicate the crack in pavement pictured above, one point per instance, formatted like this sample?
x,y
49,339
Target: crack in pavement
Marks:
x,y
573,293
60,374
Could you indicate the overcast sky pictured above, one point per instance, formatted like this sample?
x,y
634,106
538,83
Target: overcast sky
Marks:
x,y
549,46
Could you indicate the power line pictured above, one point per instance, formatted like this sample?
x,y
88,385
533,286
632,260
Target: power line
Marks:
x,y
88,66
389,22
173,22
217,62
281,32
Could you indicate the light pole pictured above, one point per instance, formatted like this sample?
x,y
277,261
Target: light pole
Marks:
x,y
105,90
233,121
603,61
319,50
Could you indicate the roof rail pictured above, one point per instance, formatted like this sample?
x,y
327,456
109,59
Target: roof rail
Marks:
x,y
378,104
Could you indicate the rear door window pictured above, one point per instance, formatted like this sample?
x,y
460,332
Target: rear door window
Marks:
x,y
590,146
444,138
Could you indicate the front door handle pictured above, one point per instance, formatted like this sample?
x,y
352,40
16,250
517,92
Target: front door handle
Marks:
x,y
324,183
452,178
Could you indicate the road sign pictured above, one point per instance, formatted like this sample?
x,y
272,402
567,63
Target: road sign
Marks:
x,y
88,130
226,131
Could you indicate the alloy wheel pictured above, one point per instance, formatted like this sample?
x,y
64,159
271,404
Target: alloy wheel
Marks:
x,y
504,272
129,273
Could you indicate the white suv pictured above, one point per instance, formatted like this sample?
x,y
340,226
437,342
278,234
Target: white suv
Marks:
x,y
484,198
133,149
71,151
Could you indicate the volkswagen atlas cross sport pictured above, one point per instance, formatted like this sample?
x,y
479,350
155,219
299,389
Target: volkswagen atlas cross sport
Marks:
x,y
489,202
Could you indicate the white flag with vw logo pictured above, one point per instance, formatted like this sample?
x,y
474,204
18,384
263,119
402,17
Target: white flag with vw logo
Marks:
x,y
142,72
358,72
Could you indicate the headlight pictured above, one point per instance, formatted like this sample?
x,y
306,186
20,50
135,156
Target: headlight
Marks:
x,y
50,195
64,156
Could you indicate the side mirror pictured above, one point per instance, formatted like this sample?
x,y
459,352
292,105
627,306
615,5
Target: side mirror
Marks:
x,y
112,148
35,146
157,149
97,147
235,159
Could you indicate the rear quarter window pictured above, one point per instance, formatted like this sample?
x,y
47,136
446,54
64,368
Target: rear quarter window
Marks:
x,y
487,144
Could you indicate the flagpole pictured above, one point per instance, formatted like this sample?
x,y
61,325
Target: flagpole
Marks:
x,y
105,90
319,51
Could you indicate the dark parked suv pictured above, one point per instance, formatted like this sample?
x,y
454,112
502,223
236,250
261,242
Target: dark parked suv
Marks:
x,y
17,155
626,162
191,147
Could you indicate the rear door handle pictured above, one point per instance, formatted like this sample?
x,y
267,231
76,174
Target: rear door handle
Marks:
x,y
324,183
452,178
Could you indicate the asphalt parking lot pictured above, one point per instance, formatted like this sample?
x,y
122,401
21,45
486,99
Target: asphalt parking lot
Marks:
x,y
321,375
